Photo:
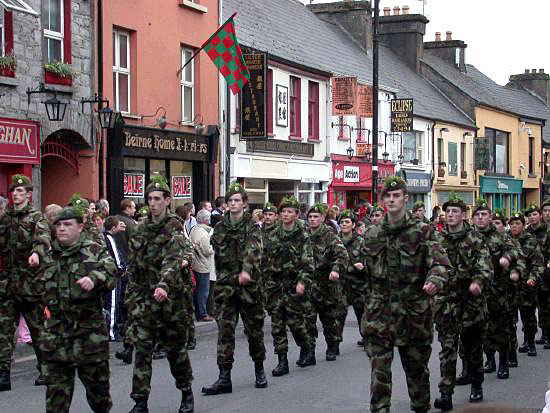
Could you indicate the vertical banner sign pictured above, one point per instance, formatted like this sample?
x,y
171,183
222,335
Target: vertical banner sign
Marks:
x,y
134,185
181,187
254,97
401,115
344,99
364,101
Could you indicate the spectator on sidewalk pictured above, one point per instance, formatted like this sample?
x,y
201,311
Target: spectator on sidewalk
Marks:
x,y
190,220
217,212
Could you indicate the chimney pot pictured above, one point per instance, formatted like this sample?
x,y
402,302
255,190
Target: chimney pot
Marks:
x,y
405,9
449,36
526,70
437,36
387,11
396,10
541,70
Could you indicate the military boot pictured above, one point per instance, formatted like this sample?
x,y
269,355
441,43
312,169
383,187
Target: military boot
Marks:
x,y
282,367
361,342
444,403
513,359
531,348
476,393
490,365
5,381
309,358
261,380
191,343
547,340
220,386
503,371
524,348
40,380
464,377
331,353
126,354
304,352
542,338
140,406
187,402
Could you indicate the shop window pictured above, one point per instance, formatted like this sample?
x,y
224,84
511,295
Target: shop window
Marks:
x,y
451,148
270,101
254,184
304,193
340,199
187,83
313,111
498,151
412,147
121,70
531,155
295,106
181,182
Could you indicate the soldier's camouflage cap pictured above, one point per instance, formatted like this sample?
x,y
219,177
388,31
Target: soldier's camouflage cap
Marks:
x,y
418,205
456,201
393,183
158,183
77,200
545,202
375,208
269,207
532,207
318,208
500,214
70,212
20,180
289,201
234,188
347,213
517,216
481,205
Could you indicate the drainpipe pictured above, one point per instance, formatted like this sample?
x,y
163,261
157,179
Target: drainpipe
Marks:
x,y
102,150
227,137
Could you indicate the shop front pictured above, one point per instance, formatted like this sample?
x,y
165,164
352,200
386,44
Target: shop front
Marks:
x,y
186,160
352,181
19,150
502,192
419,188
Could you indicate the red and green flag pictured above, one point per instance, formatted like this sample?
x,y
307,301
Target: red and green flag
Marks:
x,y
223,48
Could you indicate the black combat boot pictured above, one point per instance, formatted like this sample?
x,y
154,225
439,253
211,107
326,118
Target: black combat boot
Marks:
x,y
191,343
304,352
331,353
513,359
126,354
542,338
464,377
337,349
140,406
524,348
531,348
490,365
220,386
5,381
282,367
310,359
187,402
503,371
476,393
361,342
444,403
40,380
261,380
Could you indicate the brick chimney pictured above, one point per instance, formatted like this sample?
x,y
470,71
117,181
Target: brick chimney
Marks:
x,y
537,83
353,16
404,33
451,51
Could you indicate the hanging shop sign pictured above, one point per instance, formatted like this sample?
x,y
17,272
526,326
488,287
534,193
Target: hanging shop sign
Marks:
x,y
363,148
401,115
181,187
19,141
134,185
344,96
254,97
280,146
364,101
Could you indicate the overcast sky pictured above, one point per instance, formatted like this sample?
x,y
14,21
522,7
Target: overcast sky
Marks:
x,y
504,37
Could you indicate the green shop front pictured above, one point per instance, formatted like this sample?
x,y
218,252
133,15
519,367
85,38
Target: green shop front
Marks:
x,y
502,192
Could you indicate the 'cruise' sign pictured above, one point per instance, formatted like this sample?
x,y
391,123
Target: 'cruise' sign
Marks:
x,y
19,141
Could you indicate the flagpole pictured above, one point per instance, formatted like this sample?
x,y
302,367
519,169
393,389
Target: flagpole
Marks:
x,y
204,44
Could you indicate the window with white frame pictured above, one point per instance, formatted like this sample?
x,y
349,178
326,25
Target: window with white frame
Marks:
x,y
121,70
53,30
412,146
187,86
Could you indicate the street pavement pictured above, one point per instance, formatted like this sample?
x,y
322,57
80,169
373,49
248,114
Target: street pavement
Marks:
x,y
340,386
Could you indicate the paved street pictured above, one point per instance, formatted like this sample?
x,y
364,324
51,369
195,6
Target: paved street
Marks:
x,y
340,386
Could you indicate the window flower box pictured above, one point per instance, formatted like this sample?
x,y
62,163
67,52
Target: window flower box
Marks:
x,y
58,73
8,64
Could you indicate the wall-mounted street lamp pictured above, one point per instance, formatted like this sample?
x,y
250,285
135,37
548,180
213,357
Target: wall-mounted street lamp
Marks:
x,y
55,109
106,115
350,150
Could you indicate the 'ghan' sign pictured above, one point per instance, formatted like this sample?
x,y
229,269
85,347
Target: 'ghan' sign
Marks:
x,y
401,115
19,141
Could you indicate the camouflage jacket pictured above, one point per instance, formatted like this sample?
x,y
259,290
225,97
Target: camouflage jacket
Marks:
x,y
329,253
91,231
400,259
353,245
75,330
534,262
267,245
24,232
471,261
542,235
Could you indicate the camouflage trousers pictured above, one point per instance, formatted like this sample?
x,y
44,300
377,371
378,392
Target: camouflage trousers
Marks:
x,y
352,295
10,310
499,325
544,309
287,309
228,309
528,319
60,382
174,341
471,343
325,304
514,311
414,360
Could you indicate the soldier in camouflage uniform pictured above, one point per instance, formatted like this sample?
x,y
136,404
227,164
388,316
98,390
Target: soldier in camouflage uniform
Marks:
x,y
461,309
354,277
331,259
238,250
419,212
25,243
541,231
160,256
545,209
534,261
269,225
505,257
406,266
75,337
377,214
290,267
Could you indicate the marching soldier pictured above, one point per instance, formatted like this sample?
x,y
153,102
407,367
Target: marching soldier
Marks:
x,y
75,336
377,214
25,243
159,260
238,250
406,266
331,259
269,226
419,212
290,269
90,229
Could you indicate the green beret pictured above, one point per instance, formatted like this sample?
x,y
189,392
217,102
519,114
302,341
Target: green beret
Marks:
x,y
456,201
347,213
481,205
317,208
517,216
157,183
545,202
143,211
289,201
20,180
269,207
77,200
377,207
500,214
234,188
532,208
393,183
418,205
70,212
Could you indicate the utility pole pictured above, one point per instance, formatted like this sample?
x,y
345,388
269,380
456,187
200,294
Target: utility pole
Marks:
x,y
375,102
